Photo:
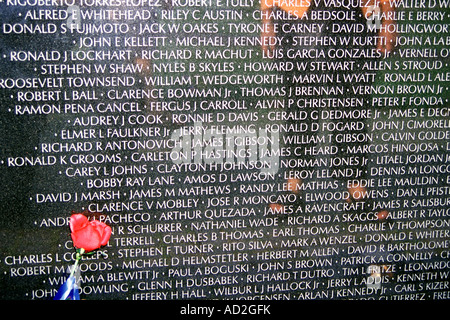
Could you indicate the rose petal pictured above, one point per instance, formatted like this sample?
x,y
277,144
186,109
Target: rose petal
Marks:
x,y
89,235
86,238
106,235
103,230
78,221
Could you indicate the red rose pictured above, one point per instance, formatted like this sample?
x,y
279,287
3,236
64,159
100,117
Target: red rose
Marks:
x,y
88,235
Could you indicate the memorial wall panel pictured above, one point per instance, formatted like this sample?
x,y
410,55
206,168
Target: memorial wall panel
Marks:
x,y
238,149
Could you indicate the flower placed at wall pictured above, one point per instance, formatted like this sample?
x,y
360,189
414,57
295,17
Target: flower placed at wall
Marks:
x,y
87,236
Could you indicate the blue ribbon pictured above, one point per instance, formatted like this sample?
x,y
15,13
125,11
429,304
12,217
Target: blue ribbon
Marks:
x,y
68,291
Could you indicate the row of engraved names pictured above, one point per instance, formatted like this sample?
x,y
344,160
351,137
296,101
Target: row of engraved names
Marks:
x,y
226,48
88,87
292,277
79,14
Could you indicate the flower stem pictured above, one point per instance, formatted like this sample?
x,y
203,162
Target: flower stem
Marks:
x,y
77,259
